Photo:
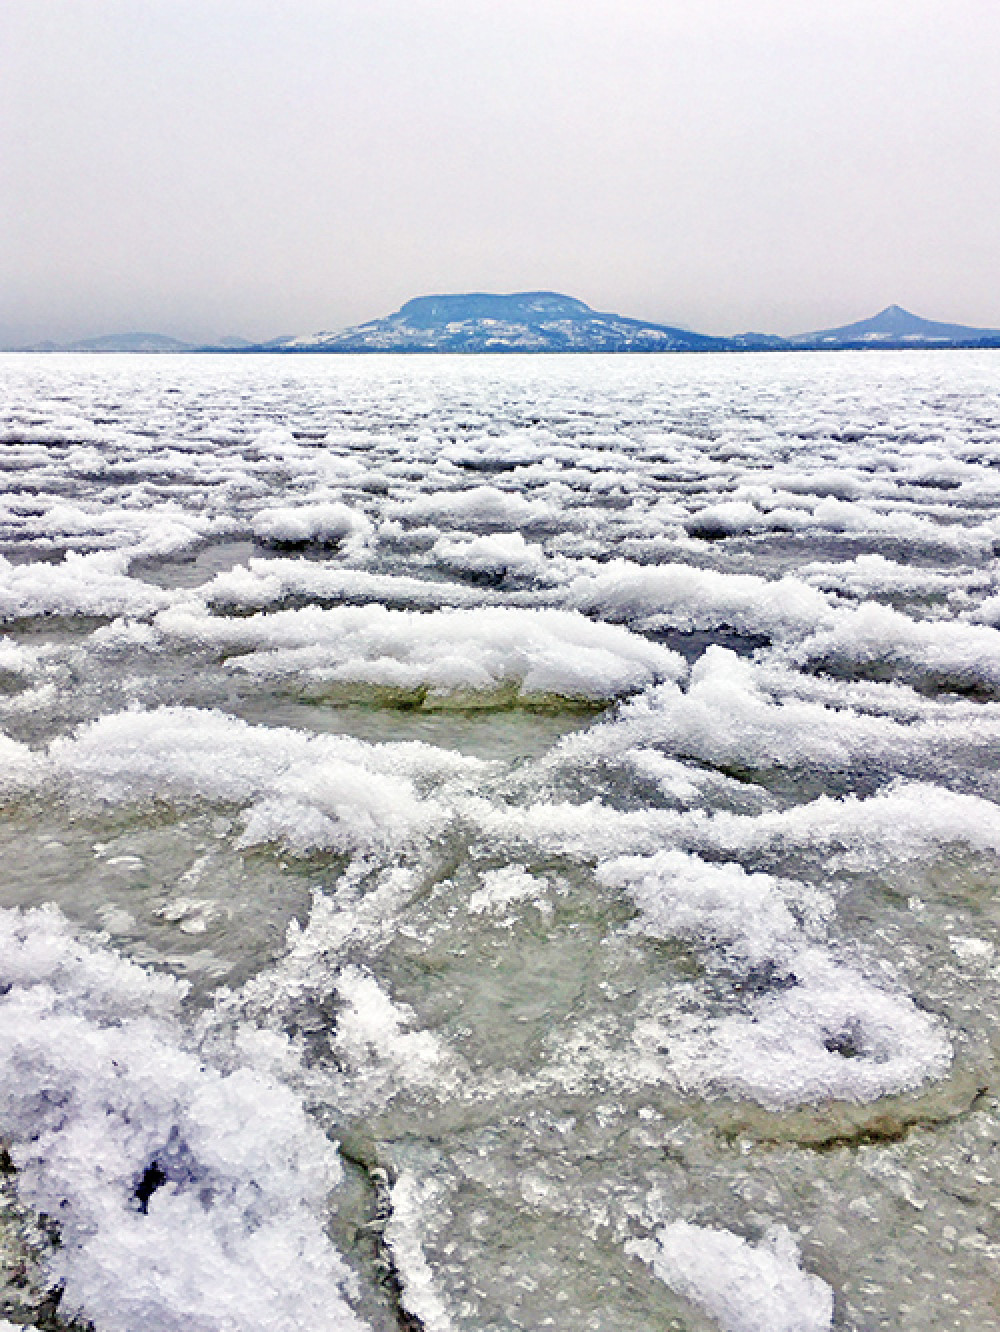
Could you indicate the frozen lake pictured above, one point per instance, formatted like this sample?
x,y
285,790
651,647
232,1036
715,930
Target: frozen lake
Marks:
x,y
500,843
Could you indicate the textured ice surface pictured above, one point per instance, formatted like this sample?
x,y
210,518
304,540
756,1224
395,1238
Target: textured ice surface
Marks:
x,y
823,1032
615,739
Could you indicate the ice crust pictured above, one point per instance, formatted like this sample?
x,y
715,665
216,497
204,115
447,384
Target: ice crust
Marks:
x,y
744,1287
100,1080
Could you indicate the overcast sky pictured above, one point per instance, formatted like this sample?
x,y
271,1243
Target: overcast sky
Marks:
x,y
257,167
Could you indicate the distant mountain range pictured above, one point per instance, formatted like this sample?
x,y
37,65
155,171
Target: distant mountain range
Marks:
x,y
116,342
134,342
545,321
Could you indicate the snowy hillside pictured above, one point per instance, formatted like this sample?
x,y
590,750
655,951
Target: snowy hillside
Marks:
x,y
526,321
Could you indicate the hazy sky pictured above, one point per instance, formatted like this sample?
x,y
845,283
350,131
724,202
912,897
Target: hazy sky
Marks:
x,y
257,167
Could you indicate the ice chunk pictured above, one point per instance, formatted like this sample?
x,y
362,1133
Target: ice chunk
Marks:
x,y
503,887
260,584
732,715
744,1287
410,1198
307,791
81,585
720,905
320,524
500,556
688,598
522,654
903,823
482,509
876,638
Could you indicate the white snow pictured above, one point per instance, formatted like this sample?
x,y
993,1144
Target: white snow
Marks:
x,y
306,791
688,598
465,654
824,1032
323,524
745,1287
99,1081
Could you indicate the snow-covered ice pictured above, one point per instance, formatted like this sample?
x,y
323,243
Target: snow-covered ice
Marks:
x,y
471,824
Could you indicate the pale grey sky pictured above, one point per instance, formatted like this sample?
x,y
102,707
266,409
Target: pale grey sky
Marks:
x,y
203,167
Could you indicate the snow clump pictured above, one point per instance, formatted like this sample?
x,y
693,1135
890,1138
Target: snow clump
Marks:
x,y
744,1287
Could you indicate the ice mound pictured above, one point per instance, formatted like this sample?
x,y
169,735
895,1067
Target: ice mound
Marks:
x,y
744,1287
107,525
988,612
504,555
310,524
876,640
505,887
875,576
494,655
21,769
729,716
260,584
913,529
185,1193
480,509
718,905
80,585
687,598
817,1029
741,518
305,791
904,822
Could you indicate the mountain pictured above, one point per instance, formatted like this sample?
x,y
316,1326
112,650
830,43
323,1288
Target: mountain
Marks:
x,y
896,327
527,321
117,342
759,342
232,343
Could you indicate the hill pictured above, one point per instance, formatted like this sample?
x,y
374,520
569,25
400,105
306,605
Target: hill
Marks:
x,y
530,321
896,327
